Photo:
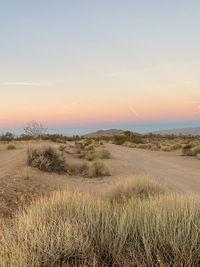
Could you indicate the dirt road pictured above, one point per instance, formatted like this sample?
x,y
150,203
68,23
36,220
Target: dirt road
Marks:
x,y
169,168
181,174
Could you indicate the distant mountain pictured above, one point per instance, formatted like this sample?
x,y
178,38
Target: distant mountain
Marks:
x,y
108,133
183,131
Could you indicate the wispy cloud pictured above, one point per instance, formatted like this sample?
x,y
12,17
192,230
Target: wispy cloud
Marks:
x,y
134,111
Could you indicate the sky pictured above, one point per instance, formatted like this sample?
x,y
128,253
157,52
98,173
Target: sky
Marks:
x,y
86,64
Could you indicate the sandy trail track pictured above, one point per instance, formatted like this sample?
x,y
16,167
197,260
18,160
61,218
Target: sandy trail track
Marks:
x,y
169,168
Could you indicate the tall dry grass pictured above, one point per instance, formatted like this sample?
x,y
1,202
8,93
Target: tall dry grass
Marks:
x,y
75,229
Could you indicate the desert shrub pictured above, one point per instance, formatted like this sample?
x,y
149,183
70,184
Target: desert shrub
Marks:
x,y
46,159
78,169
191,150
176,146
97,169
134,187
103,154
119,140
129,144
10,147
71,229
144,146
195,150
186,150
62,147
88,142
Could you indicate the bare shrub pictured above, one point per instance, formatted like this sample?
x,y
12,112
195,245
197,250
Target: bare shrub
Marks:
x,y
46,159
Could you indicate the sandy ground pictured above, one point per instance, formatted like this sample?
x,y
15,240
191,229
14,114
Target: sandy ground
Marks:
x,y
179,173
169,168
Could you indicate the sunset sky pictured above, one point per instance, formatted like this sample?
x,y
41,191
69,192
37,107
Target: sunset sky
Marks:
x,y
89,63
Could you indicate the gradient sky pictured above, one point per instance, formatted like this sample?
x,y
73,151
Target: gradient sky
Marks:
x,y
89,62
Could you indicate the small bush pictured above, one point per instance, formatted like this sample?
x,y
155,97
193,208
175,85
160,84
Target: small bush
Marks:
x,y
97,169
119,140
103,154
84,169
134,187
187,150
46,159
78,169
196,150
10,147
191,150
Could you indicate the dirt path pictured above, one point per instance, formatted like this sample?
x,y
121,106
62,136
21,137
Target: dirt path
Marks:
x,y
179,173
170,168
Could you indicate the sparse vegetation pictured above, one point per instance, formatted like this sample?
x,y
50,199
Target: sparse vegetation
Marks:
x,y
103,154
24,173
78,168
191,150
62,147
98,169
74,229
10,147
46,159
95,169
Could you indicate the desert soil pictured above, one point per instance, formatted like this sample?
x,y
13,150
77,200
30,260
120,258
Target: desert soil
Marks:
x,y
178,173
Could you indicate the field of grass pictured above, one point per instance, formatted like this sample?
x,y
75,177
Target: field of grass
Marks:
x,y
148,228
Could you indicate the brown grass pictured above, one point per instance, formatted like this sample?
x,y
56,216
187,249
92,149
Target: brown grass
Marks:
x,y
98,169
10,147
74,229
134,187
95,169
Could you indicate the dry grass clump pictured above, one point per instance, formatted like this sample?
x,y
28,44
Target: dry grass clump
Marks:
x,y
103,154
187,149
78,168
191,150
91,154
134,187
46,159
71,229
98,169
10,147
95,169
